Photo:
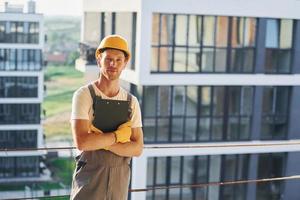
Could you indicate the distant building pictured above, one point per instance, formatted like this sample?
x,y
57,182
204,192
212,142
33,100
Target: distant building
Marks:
x,y
208,73
21,93
56,58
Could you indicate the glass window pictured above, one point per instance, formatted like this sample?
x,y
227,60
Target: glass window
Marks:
x,y
163,125
175,170
275,112
269,166
207,60
214,176
190,129
155,29
180,59
194,33
218,100
92,23
278,44
164,94
205,100
179,100
181,30
209,30
220,60
191,100
167,26
125,26
165,59
200,43
222,31
161,169
193,60
150,96
2,32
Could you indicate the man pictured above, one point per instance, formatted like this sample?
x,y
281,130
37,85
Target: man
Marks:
x,y
102,167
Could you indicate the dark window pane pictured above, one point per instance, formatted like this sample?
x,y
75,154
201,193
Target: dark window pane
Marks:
x,y
204,128
150,95
233,128
177,129
188,169
164,94
217,128
278,60
220,60
214,176
245,125
270,165
191,100
149,129
234,94
150,171
187,193
161,168
190,129
218,101
175,170
207,59
275,112
282,100
230,166
179,100
162,129
268,96
174,194
248,60
202,169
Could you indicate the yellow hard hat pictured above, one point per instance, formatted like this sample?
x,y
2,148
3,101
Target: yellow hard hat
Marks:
x,y
113,42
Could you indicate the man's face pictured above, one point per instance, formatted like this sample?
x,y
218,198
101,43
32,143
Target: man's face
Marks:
x,y
112,63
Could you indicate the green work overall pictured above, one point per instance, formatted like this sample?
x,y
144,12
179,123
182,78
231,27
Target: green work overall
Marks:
x,y
101,174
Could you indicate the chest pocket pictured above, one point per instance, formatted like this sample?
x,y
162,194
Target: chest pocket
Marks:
x,y
109,114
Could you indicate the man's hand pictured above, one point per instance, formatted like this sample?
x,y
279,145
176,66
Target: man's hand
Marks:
x,y
123,132
94,129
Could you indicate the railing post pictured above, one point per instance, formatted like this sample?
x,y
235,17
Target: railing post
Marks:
x,y
139,177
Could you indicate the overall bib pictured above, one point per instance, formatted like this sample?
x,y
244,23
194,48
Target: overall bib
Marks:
x,y
101,174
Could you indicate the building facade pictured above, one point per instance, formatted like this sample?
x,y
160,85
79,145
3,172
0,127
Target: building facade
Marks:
x,y
21,93
208,75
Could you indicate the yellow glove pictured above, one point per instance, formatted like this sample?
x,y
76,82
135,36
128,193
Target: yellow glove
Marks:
x,y
123,132
94,129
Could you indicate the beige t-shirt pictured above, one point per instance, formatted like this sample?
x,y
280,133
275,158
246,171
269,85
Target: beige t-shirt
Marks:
x,y
82,104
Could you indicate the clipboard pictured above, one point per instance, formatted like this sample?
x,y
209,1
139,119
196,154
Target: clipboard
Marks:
x,y
110,114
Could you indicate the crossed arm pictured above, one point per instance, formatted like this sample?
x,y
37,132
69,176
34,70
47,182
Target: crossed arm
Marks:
x,y
87,141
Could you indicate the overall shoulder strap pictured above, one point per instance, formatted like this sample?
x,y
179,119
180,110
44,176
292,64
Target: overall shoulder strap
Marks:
x,y
129,99
92,91
93,94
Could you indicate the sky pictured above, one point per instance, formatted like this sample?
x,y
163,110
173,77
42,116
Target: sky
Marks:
x,y
51,7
